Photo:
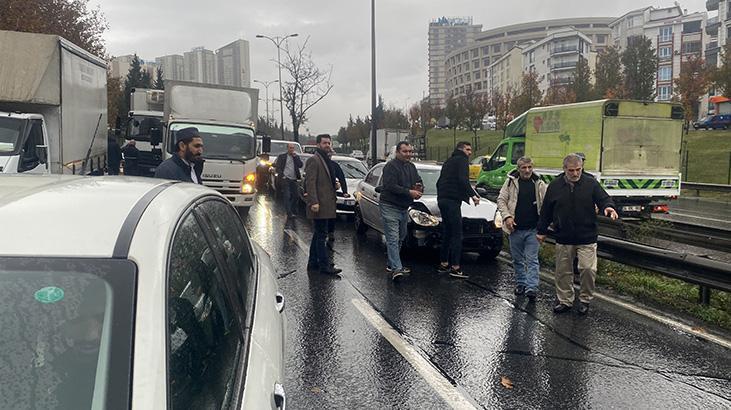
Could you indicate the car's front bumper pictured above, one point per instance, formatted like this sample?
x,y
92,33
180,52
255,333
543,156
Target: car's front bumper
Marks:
x,y
477,235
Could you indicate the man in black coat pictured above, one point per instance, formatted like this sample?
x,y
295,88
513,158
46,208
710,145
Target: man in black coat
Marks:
x,y
114,155
131,156
570,207
187,164
453,188
288,167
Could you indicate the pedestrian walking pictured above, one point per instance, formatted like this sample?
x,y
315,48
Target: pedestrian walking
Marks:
x,y
131,156
570,205
288,167
321,204
519,203
401,186
187,163
114,155
453,188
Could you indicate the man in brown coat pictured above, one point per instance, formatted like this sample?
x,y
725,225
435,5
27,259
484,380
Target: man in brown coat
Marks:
x,y
321,204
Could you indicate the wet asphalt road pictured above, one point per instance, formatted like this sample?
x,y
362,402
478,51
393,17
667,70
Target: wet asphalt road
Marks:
x,y
700,211
472,334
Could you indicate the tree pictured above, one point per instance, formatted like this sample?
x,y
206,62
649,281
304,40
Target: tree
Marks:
x,y
115,102
530,94
136,78
394,118
581,83
722,76
456,114
159,80
500,103
560,94
414,118
640,68
308,84
475,106
608,74
70,19
691,85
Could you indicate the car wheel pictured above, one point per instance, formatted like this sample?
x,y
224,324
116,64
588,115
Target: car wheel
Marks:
x,y
360,226
490,254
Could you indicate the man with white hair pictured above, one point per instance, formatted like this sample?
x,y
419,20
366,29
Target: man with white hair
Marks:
x,y
570,205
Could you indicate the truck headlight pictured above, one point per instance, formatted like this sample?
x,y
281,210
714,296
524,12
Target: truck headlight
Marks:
x,y
247,188
422,218
498,221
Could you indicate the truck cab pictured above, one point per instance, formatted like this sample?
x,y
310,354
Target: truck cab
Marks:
x,y
144,125
23,144
498,166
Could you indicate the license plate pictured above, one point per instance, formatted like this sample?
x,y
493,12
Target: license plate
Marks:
x,y
667,183
632,208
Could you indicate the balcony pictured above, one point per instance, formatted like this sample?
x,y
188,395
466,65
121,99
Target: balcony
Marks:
x,y
711,5
712,26
567,65
712,47
565,49
561,81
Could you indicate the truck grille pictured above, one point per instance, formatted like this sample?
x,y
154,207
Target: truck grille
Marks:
x,y
226,187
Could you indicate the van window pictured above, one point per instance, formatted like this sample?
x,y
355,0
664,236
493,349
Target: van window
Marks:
x,y
518,151
498,158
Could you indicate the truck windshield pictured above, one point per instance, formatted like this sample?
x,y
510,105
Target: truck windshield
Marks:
x,y
67,332
221,141
140,126
11,131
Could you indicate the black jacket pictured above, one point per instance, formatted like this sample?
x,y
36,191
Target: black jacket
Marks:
x,y
281,161
398,178
114,153
175,168
571,210
337,170
454,180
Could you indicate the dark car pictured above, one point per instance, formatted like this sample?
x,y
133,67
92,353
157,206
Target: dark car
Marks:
x,y
714,122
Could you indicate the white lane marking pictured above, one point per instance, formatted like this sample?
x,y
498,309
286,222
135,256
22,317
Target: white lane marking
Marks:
x,y
455,397
297,240
703,218
644,312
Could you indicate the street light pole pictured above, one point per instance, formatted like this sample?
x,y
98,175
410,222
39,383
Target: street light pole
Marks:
x,y
266,88
277,41
373,83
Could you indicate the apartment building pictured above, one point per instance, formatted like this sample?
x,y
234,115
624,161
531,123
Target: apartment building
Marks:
x,y
233,64
554,58
173,66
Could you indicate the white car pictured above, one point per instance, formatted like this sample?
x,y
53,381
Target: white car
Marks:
x,y
120,292
357,154
354,172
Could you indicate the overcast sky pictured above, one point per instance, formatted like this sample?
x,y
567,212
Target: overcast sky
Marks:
x,y
339,33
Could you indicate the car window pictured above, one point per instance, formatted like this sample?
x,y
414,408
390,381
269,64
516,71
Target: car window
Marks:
x,y
518,151
352,169
374,176
233,244
203,342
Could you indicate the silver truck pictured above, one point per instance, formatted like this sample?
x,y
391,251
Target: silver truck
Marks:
x,y
226,119
53,106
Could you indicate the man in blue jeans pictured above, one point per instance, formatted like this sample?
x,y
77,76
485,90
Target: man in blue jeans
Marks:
x,y
400,188
519,202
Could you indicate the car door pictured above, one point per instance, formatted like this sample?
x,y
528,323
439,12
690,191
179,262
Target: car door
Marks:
x,y
205,335
369,197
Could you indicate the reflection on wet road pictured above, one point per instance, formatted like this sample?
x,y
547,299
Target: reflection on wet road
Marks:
x,y
478,344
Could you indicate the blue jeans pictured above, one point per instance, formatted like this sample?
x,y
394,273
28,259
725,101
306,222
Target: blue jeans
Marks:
x,y
289,195
318,248
394,228
524,249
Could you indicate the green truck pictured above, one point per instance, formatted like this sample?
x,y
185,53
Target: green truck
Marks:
x,y
632,147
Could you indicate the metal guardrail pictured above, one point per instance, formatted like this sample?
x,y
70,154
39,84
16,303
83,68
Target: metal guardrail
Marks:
x,y
698,186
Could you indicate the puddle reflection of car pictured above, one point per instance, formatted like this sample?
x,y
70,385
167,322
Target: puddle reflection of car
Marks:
x,y
481,225
134,293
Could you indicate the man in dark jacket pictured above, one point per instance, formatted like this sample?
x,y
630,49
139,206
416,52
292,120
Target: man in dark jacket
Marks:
x,y
131,157
453,188
114,155
401,185
288,167
186,164
570,205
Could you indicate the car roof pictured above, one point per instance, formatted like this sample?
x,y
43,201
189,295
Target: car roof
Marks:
x,y
345,158
65,215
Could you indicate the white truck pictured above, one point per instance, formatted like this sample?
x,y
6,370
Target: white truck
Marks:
x,y
146,109
226,119
386,140
53,106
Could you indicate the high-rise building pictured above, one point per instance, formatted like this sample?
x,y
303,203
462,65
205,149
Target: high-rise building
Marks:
x,y
173,66
119,66
233,64
445,35
200,66
718,29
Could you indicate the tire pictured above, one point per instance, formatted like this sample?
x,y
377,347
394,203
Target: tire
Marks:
x,y
360,226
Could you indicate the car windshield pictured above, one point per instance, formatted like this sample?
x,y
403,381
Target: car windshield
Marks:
x,y
222,142
66,332
140,127
429,178
11,130
353,169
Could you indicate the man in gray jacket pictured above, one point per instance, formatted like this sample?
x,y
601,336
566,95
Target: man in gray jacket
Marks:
x,y
519,202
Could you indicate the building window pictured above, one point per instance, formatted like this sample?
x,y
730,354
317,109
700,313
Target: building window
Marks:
x,y
630,22
475,53
664,74
496,48
692,27
665,52
476,64
485,50
663,93
486,61
666,33
532,57
692,47
601,38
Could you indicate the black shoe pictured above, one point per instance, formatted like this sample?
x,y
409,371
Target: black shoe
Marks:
x,y
583,308
458,274
531,294
404,270
397,274
331,271
312,268
561,308
519,290
443,268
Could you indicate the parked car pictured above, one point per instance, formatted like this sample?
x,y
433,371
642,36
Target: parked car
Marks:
x,y
309,149
476,166
357,154
139,293
354,171
714,122
481,225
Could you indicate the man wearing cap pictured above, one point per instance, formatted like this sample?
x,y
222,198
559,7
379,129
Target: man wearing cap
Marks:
x,y
187,164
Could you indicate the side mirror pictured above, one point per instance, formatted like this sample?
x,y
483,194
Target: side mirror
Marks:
x,y
266,144
481,191
42,153
155,136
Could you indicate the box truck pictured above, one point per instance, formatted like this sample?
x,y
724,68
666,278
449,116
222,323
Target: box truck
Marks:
x,y
53,106
146,108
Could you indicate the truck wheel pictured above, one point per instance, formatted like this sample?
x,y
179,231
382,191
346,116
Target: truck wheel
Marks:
x,y
360,226
490,254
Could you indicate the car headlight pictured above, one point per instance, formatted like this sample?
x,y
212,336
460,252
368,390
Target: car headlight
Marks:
x,y
422,218
498,221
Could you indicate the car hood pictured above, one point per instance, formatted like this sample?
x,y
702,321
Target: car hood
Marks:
x,y
485,210
352,185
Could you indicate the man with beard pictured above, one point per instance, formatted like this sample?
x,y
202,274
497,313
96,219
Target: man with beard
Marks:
x,y
186,165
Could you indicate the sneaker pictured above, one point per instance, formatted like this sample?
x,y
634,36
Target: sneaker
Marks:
x,y
519,290
443,268
404,270
561,308
583,308
458,274
531,294
397,274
